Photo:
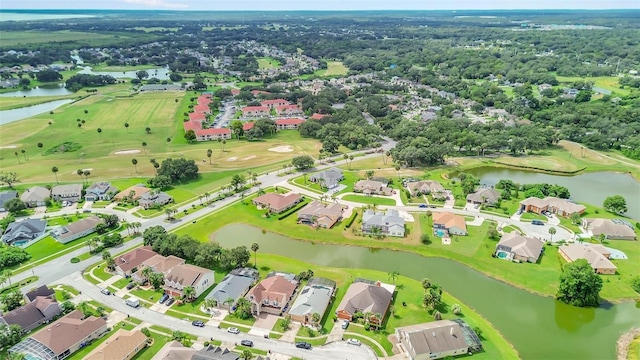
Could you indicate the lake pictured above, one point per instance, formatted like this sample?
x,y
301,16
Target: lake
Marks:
x,y
158,73
538,327
9,116
591,188
12,16
55,90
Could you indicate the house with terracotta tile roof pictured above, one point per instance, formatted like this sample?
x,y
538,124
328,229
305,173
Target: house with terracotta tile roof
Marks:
x,y
157,263
318,116
123,345
213,134
32,314
288,110
273,103
450,223
248,126
272,294
202,109
513,246
554,205
62,337
197,117
134,192
318,214
128,263
596,255
289,123
277,203
256,111
184,275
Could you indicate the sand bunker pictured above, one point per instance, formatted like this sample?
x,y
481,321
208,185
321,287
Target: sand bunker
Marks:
x,y
249,157
9,147
232,159
76,173
282,149
126,152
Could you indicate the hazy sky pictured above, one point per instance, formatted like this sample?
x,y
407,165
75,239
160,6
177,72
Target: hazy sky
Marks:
x,y
321,4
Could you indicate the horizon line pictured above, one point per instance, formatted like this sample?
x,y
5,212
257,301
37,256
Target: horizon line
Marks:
x,y
325,10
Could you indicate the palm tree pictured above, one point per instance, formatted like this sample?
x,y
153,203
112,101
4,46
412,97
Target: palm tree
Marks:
x,y
135,164
315,319
146,272
18,157
126,125
426,284
86,174
136,227
369,174
127,226
386,156
552,231
54,170
254,178
209,153
99,132
7,276
223,143
80,172
393,275
144,147
255,247
24,154
168,212
246,354
188,293
456,309
40,145
147,130
437,315
397,167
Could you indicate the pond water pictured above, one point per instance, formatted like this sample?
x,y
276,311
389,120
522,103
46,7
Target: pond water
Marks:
x,y
591,188
158,73
8,116
54,90
538,327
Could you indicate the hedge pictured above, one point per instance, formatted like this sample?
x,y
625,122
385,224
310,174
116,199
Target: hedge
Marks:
x,y
286,214
351,220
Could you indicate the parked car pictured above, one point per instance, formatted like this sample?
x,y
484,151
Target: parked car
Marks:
x,y
354,342
164,298
345,324
198,323
422,206
303,345
519,212
170,302
105,291
233,330
247,343
131,285
537,222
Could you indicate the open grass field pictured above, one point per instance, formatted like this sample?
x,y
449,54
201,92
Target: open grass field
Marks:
x,y
15,38
610,83
335,68
7,103
268,63
369,200
155,28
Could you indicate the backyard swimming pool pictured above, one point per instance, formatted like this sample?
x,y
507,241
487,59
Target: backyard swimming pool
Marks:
x,y
502,254
439,233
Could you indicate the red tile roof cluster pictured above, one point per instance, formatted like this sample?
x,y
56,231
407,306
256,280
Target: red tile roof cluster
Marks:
x,y
211,131
255,108
274,102
290,121
318,116
247,126
197,117
235,92
201,108
287,107
257,92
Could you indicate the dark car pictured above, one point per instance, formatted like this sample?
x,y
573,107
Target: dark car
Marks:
x,y
163,298
247,343
198,323
537,222
303,345
422,206
170,302
131,285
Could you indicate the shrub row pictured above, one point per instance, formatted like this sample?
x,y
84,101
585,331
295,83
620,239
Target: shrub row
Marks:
x,y
351,220
559,172
288,213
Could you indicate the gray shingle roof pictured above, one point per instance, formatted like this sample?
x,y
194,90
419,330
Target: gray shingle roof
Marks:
x,y
6,196
312,299
24,230
232,286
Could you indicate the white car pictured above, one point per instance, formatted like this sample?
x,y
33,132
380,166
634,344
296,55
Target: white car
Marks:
x,y
233,330
354,342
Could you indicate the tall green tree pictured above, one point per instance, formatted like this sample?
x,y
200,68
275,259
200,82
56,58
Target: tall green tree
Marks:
x,y
579,285
615,204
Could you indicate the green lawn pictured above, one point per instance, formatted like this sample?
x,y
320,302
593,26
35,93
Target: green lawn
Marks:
x,y
234,319
194,306
122,283
21,38
369,200
268,63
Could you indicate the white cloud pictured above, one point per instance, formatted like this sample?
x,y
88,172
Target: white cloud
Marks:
x,y
157,4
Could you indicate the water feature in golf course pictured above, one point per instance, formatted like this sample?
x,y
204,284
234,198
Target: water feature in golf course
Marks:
x,y
538,327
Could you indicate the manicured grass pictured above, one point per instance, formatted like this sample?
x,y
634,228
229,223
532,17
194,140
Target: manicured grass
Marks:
x,y
161,329
14,38
234,319
122,283
369,200
268,63
148,295
366,341
634,349
194,306
7,103
610,83
101,274
533,216
155,28
314,342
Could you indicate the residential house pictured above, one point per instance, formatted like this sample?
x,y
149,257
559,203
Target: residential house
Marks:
x,y
25,231
596,255
388,223
212,352
185,275
277,203
132,193
485,195
127,264
68,192
157,263
174,350
272,104
366,296
329,178
234,286
318,116
313,299
42,290
197,117
318,214
370,187
123,345
438,339
449,223
76,229
202,108
62,338
289,124
554,205
288,110
273,294
248,126
153,199
100,191
612,229
513,246
213,134
32,314
427,187
6,196
256,111
36,196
